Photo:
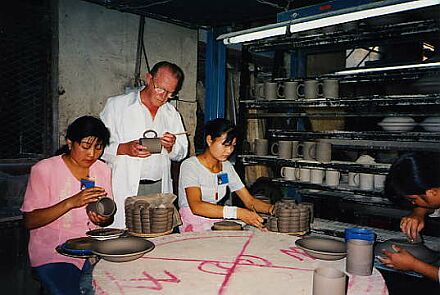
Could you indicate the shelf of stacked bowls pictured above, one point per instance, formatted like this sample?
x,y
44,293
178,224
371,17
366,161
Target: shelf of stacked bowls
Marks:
x,y
397,124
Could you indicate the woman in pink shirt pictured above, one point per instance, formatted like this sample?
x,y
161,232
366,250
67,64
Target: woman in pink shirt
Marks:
x,y
54,203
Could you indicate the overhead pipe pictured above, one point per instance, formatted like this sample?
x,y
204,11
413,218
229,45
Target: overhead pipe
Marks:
x,y
137,70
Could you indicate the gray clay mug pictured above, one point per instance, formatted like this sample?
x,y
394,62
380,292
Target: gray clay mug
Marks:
x,y
151,143
104,207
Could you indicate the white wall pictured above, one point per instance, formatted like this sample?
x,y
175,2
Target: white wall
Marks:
x,y
97,52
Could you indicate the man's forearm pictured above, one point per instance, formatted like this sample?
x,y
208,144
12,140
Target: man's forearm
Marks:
x,y
419,211
428,270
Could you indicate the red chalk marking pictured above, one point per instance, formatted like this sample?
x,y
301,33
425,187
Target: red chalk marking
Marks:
x,y
205,264
384,290
157,283
98,289
294,250
370,285
223,268
234,266
351,281
158,243
254,261
136,283
242,262
116,282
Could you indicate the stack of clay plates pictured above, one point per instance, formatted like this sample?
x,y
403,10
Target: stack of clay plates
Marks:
x,y
431,124
290,218
397,124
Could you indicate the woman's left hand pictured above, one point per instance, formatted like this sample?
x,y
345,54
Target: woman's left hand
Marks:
x,y
96,218
400,259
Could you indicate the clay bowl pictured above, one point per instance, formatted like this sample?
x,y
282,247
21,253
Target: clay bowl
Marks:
x,y
322,248
78,246
122,249
418,250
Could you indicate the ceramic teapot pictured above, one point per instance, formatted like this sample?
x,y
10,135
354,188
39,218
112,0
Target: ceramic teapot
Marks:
x,y
151,143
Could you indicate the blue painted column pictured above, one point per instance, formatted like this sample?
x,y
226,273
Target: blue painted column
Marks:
x,y
298,71
297,64
215,77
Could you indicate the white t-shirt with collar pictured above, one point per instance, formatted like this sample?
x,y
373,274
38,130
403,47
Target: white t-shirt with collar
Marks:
x,y
194,174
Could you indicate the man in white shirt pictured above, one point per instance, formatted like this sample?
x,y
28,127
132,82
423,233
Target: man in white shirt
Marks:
x,y
137,171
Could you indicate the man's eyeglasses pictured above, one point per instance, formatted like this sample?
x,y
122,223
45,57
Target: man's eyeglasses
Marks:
x,y
161,91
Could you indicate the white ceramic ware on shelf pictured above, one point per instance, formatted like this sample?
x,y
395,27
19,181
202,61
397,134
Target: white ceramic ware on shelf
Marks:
x,y
397,124
431,124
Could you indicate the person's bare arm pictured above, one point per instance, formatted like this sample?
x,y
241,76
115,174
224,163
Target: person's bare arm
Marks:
x,y
428,270
41,217
205,209
403,260
253,203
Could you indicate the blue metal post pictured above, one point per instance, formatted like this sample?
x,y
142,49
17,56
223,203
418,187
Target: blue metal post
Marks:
x,y
215,77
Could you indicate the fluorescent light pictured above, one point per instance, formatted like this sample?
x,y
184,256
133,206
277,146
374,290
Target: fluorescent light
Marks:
x,y
362,14
319,21
372,70
255,33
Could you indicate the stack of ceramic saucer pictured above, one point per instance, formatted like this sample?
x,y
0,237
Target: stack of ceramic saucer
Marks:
x,y
291,218
161,219
142,218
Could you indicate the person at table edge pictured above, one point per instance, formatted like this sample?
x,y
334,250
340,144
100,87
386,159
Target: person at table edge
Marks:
x,y
54,205
203,181
414,178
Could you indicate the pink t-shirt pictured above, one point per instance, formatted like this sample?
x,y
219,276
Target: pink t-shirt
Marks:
x,y
49,183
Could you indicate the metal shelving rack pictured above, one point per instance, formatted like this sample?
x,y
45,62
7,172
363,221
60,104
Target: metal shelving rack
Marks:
x,y
342,166
359,33
367,106
419,26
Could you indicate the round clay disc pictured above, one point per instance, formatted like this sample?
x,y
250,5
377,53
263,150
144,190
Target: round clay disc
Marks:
x,y
226,225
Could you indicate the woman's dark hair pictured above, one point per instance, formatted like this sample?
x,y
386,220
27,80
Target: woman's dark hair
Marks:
x,y
215,128
412,174
86,126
